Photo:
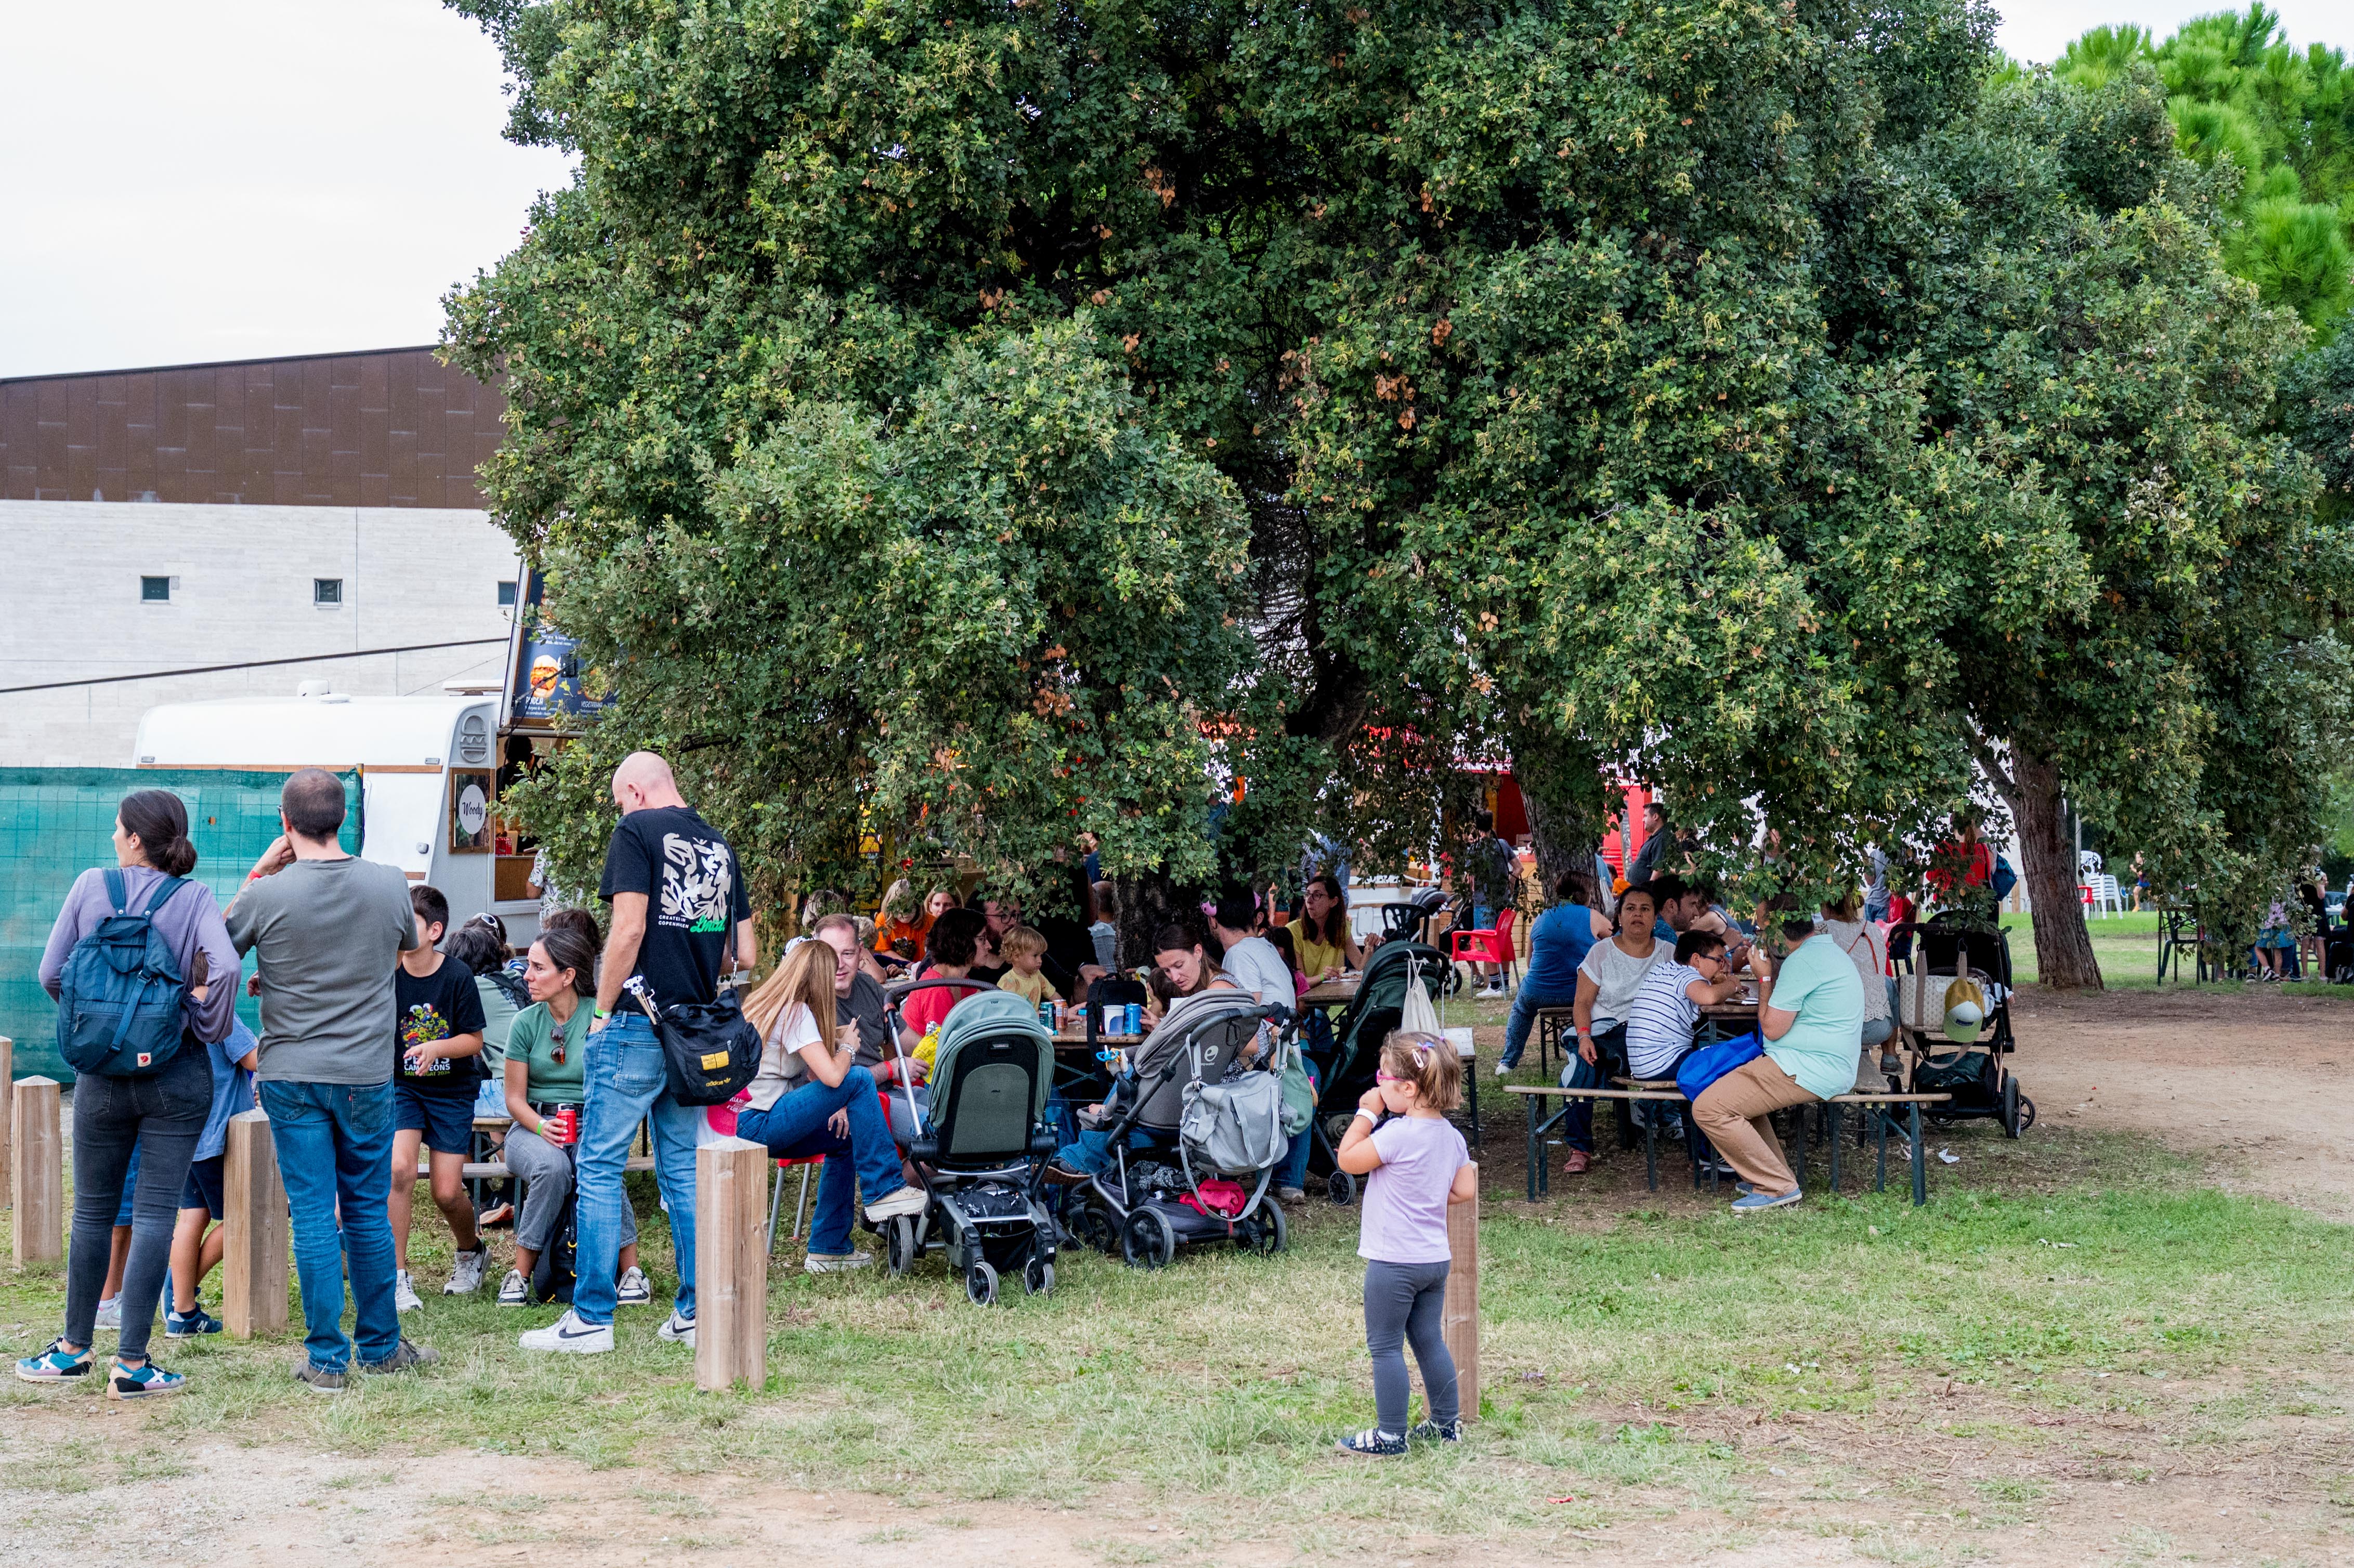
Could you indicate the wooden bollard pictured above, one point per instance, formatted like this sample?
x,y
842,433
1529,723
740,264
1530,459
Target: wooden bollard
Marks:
x,y
253,1230
1459,1320
37,1160
731,1264
7,1080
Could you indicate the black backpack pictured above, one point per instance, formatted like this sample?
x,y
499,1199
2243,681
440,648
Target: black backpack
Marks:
x,y
553,1276
710,1050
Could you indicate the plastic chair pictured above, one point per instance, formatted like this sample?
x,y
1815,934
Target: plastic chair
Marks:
x,y
1489,947
800,1204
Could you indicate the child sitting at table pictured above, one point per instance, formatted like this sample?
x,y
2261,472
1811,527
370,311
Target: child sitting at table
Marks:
x,y
1024,951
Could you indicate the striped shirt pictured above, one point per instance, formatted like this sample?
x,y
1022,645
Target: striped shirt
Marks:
x,y
1659,1024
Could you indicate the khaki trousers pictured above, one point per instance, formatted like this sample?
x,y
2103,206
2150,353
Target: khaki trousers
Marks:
x,y
1733,1111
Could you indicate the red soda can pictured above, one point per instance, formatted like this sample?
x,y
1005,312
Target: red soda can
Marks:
x,y
565,1124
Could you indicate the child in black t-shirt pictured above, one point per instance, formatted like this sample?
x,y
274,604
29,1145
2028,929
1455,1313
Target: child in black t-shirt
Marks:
x,y
437,1060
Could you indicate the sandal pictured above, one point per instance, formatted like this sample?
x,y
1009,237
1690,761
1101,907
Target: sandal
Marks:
x,y
1373,1443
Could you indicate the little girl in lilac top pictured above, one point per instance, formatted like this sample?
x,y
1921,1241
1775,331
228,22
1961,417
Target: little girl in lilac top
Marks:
x,y
1414,1165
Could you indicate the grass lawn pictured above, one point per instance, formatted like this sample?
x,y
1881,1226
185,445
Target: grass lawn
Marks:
x,y
1650,1355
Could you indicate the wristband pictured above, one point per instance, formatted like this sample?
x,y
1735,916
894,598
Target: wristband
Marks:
x,y
1368,1116
600,1013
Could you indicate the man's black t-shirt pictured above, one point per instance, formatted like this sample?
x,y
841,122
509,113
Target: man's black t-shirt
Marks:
x,y
863,1006
694,898
436,1007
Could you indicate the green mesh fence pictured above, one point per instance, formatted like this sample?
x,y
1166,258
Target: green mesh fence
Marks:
x,y
57,822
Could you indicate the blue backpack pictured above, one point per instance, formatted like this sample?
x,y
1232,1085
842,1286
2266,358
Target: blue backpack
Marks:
x,y
118,997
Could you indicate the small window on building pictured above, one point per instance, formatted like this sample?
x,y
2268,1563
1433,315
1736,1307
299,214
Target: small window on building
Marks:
x,y
326,590
506,594
155,590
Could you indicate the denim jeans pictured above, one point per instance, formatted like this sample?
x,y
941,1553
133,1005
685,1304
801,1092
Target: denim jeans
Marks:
x,y
335,1150
626,1084
795,1129
1610,1057
1294,1172
156,1120
1525,1003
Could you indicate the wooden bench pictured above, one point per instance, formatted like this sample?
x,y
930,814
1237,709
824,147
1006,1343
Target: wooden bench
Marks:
x,y
1880,1107
496,1169
1555,1027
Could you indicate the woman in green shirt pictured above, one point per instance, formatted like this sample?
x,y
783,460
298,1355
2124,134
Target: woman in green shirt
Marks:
x,y
545,1072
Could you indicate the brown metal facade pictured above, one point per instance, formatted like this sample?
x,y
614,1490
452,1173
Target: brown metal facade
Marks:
x,y
387,427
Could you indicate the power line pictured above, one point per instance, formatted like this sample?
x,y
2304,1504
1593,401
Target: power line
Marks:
x,y
252,664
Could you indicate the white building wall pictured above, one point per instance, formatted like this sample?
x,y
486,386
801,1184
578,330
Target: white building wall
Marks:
x,y
242,589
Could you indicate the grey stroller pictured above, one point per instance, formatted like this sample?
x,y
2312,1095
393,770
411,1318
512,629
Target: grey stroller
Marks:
x,y
1204,1125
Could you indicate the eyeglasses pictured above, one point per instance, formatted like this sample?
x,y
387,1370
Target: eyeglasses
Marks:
x,y
1381,1076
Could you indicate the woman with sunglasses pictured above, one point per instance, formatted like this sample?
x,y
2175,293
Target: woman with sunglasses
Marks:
x,y
544,1076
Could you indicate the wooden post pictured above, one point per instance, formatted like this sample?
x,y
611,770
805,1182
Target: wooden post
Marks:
x,y
1460,1317
731,1264
8,1079
36,1157
253,1230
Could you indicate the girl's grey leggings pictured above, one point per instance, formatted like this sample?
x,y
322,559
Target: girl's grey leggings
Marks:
x,y
1406,1301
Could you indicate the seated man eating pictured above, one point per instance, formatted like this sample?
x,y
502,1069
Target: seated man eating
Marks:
x,y
1812,1021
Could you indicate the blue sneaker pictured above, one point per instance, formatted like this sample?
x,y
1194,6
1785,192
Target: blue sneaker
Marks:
x,y
1758,1202
189,1324
55,1365
144,1381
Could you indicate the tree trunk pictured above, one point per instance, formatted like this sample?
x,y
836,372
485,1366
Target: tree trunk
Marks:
x,y
1564,836
2063,948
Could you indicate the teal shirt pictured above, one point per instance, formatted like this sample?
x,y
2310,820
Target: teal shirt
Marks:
x,y
1819,983
533,1040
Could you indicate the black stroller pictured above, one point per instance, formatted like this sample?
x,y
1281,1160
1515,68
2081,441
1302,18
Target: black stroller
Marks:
x,y
1951,952
1145,1207
982,1149
1371,1017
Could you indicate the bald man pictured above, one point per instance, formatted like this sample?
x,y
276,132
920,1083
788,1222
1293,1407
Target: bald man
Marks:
x,y
681,923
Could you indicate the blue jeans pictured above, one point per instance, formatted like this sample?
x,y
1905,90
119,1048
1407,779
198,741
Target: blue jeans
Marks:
x,y
795,1129
1294,1172
626,1083
1525,1003
1610,1053
335,1150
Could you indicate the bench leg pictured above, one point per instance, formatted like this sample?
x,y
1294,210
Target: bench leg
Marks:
x,y
1536,1116
1879,1140
1833,1113
1651,1154
1920,1161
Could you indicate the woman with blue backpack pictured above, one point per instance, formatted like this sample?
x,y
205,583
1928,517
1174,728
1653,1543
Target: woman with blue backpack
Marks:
x,y
145,981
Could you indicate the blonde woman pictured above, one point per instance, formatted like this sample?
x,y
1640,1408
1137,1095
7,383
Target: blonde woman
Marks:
x,y
811,1097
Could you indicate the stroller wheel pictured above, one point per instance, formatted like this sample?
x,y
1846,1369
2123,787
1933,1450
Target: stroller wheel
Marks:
x,y
1038,1277
899,1246
1095,1228
1273,1235
1148,1241
980,1283
2026,1113
1341,1188
2011,1127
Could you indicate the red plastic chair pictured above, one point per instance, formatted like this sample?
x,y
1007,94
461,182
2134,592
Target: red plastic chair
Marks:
x,y
808,1164
1489,947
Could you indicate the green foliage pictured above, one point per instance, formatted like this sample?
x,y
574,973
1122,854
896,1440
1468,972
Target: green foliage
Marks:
x,y
2284,118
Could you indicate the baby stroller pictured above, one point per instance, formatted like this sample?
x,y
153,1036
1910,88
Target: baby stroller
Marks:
x,y
1145,1208
980,1152
1951,952
1357,1039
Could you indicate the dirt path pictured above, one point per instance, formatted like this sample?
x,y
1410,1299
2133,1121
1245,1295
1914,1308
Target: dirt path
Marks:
x,y
2259,1082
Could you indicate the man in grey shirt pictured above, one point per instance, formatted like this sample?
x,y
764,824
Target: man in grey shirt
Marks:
x,y
329,928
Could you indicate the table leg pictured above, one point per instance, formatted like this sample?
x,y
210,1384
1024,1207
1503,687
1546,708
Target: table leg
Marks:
x,y
1651,1154
1536,1116
1879,1138
1920,1161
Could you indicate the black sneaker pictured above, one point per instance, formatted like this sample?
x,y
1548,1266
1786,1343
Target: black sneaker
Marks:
x,y
1373,1443
1436,1431
405,1356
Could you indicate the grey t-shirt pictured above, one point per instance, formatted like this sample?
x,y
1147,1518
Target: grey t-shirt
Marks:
x,y
1254,964
329,934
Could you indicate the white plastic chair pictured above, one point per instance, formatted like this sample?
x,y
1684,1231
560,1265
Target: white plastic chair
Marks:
x,y
2107,897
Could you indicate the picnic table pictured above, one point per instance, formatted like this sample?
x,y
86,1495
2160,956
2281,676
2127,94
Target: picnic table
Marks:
x,y
1337,992
1880,1107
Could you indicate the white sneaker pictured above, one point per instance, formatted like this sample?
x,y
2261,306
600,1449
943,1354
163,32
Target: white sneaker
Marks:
x,y
836,1262
514,1290
1501,1069
467,1276
109,1313
905,1201
571,1336
678,1330
404,1294
633,1289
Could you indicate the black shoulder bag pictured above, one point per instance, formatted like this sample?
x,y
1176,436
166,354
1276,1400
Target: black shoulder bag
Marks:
x,y
710,1050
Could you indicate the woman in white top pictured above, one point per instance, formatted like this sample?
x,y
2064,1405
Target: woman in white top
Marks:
x,y
811,1097
1864,943
1606,983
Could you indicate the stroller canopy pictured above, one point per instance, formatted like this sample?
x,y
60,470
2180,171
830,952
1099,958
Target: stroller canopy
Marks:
x,y
1216,1025
996,1015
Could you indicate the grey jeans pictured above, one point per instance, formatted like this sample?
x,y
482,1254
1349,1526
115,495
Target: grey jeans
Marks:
x,y
1407,1302
163,1115
546,1172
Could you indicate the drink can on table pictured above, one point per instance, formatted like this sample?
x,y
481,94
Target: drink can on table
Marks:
x,y
1133,1019
1046,1015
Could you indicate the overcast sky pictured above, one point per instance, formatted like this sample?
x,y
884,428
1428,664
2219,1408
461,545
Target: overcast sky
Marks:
x,y
234,178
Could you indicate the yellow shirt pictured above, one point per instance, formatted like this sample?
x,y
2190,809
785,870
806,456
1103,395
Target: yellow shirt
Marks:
x,y
1315,957
1033,988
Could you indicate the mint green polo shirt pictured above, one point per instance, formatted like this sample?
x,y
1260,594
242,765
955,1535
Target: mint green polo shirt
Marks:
x,y
1819,983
